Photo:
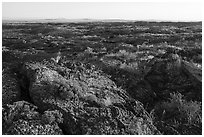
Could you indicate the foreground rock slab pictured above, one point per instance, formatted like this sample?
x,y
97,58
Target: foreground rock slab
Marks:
x,y
90,102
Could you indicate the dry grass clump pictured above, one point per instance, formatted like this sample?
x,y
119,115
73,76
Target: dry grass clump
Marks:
x,y
181,115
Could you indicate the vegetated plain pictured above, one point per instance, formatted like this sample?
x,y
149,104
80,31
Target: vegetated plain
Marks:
x,y
102,78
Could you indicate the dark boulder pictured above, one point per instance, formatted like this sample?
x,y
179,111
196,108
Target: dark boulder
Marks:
x,y
171,74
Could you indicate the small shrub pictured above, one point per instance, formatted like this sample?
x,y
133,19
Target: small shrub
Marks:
x,y
177,110
193,112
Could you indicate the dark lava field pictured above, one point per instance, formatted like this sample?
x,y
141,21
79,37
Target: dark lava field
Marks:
x,y
102,78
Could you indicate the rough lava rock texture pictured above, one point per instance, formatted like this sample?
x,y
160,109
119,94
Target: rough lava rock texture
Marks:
x,y
170,73
152,76
21,118
90,102
10,87
128,70
102,78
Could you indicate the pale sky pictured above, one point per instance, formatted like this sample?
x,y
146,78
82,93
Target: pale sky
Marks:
x,y
130,11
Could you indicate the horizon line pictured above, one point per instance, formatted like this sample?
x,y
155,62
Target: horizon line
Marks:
x,y
92,19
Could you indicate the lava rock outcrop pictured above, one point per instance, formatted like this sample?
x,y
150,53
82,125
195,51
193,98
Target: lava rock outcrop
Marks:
x,y
90,102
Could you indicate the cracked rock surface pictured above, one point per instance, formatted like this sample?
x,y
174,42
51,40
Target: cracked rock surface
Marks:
x,y
90,102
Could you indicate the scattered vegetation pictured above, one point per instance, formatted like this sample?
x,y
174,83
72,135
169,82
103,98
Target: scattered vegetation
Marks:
x,y
102,78
180,114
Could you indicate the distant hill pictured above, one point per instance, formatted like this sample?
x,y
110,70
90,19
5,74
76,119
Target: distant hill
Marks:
x,y
63,20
